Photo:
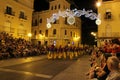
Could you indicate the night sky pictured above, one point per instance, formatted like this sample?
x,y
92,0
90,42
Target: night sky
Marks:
x,y
87,25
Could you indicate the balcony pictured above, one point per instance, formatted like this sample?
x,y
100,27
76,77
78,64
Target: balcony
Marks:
x,y
110,35
66,37
22,17
11,13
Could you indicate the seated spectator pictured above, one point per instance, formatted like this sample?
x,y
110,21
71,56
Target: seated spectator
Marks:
x,y
100,72
113,66
103,70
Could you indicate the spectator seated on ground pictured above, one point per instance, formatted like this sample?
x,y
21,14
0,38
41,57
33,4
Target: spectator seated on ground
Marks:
x,y
100,72
113,65
15,47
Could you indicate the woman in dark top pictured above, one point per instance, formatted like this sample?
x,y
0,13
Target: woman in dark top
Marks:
x,y
103,74
103,71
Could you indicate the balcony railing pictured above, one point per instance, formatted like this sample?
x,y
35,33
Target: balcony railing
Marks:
x,y
9,13
113,34
23,17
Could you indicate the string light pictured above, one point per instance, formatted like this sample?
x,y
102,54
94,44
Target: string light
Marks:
x,y
71,14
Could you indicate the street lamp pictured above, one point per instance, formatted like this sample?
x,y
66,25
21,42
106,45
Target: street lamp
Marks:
x,y
29,35
76,39
98,4
93,33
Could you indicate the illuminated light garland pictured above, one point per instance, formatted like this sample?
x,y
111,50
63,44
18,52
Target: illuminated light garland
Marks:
x,y
48,25
98,21
73,13
71,20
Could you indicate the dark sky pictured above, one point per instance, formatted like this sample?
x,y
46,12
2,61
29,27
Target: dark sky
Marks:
x,y
80,4
87,24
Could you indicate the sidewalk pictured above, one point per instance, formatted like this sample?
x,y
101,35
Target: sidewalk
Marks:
x,y
16,61
76,71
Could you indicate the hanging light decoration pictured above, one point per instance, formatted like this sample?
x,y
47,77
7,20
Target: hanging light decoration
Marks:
x,y
48,25
71,20
71,14
98,21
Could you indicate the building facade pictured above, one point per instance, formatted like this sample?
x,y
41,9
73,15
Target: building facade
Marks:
x,y
60,33
16,17
110,20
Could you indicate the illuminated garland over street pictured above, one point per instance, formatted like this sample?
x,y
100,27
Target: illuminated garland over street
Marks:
x,y
71,14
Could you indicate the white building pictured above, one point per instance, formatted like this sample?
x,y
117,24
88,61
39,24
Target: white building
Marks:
x,y
61,33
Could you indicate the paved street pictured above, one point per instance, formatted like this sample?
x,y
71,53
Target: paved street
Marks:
x,y
40,68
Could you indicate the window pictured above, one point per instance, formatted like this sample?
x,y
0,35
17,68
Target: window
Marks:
x,y
74,34
9,11
59,6
71,33
65,20
40,20
46,33
40,32
108,15
55,7
36,23
64,7
35,32
52,8
65,32
22,15
54,31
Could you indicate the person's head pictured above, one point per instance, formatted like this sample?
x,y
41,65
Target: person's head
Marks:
x,y
105,56
113,63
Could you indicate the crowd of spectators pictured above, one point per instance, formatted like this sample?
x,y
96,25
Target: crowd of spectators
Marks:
x,y
105,62
11,47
